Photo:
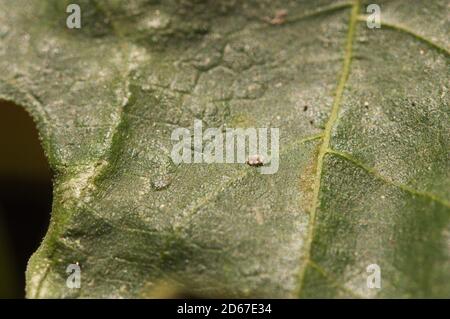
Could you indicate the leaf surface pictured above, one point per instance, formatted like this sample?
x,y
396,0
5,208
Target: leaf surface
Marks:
x,y
364,174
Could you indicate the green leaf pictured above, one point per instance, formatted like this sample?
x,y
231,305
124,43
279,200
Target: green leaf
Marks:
x,y
364,174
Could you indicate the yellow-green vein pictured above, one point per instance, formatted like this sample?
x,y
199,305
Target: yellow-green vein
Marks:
x,y
326,138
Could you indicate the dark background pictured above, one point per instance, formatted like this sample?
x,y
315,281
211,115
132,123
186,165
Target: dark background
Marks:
x,y
25,196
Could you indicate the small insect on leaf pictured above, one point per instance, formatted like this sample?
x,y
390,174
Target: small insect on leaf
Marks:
x,y
255,160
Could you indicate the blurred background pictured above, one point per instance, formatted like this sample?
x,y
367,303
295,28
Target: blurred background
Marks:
x,y
25,196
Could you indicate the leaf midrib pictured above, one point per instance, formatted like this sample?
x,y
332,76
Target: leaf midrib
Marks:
x,y
326,139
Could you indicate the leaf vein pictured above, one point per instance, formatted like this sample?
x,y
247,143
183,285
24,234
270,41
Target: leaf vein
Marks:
x,y
326,138
377,175
401,28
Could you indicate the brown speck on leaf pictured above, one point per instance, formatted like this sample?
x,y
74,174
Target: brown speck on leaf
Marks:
x,y
279,17
305,108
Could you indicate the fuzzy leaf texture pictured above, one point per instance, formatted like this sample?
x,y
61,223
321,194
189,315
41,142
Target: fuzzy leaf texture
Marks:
x,y
364,174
